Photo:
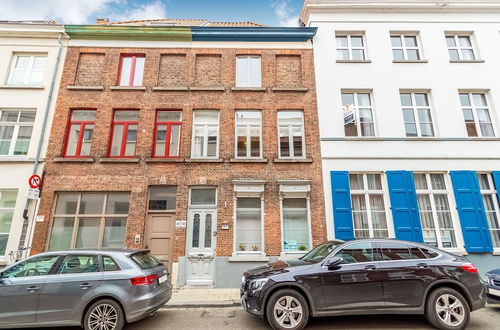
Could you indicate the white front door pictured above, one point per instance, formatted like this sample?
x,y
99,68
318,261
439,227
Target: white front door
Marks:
x,y
201,235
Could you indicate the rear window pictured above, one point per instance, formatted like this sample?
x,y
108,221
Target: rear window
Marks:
x,y
145,260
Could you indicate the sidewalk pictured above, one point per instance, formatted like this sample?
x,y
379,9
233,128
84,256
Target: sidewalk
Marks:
x,y
204,297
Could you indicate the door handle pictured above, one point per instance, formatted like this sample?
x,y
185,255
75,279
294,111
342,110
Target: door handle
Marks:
x,y
422,265
33,288
370,267
85,286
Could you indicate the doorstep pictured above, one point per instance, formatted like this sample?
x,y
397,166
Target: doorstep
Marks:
x,y
193,297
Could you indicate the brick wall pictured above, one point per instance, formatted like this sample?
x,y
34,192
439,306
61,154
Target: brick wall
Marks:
x,y
90,69
208,70
173,70
288,71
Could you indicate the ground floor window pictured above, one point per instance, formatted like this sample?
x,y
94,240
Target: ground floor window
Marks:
x,y
434,209
89,220
490,201
295,224
248,224
7,205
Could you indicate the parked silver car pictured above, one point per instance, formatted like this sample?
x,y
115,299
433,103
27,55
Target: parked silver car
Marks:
x,y
92,288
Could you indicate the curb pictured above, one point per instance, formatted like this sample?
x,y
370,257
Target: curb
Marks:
x,y
203,304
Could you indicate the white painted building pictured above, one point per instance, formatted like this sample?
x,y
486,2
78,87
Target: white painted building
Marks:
x,y
28,65
420,79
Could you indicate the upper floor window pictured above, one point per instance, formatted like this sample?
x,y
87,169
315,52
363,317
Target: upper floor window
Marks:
x,y
417,114
248,71
79,136
131,70
124,133
490,201
460,47
405,47
16,127
476,114
291,134
248,134
205,134
351,47
27,70
167,133
359,106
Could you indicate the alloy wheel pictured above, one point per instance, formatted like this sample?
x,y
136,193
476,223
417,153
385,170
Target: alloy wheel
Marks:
x,y
103,317
288,312
450,310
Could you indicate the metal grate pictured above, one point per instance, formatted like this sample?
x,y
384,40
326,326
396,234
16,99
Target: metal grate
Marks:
x,y
495,282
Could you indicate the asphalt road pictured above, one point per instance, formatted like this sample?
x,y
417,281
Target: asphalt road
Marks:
x,y
235,318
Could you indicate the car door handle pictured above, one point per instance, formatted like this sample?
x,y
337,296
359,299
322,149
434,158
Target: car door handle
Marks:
x,y
422,265
33,288
370,267
85,286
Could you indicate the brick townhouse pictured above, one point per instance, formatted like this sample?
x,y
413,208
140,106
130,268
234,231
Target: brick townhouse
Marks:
x,y
199,143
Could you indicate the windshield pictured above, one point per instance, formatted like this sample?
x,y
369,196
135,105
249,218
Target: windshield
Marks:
x,y
145,260
320,252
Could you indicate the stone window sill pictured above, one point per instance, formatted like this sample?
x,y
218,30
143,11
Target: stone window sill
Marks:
x,y
16,159
248,160
207,89
165,160
248,89
127,88
21,87
86,88
73,160
410,61
170,89
291,89
292,160
204,160
119,160
353,61
248,257
466,61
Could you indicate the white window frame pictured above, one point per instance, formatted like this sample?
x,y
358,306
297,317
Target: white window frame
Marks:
x,y
459,48
355,108
248,129
349,47
305,195
496,207
474,112
404,47
236,250
414,107
366,194
240,82
203,206
205,135
27,82
15,133
290,137
13,209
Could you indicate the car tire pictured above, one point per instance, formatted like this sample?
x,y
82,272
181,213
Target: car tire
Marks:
x,y
111,308
447,309
287,310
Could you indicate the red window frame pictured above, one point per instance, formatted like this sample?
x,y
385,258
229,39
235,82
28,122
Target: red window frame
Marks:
x,y
168,134
123,144
79,142
132,69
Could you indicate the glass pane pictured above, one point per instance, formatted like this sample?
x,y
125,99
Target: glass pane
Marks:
x,y
22,62
471,129
364,100
356,41
39,62
118,203
297,141
196,231
88,233
19,77
255,142
91,203
411,129
203,196
169,116
356,181
27,116
242,142
60,237
467,54
8,198
74,264
484,182
114,233
413,54
199,142
411,41
487,201
87,138
3,243
357,252
109,265
116,141
9,116
161,138
374,182
175,131
424,116
36,77
72,143
242,71
66,203
284,142
450,41
206,117
479,100
83,115
420,181
486,129
408,116
125,115
464,100
248,224
126,71
254,72
212,142
131,140
358,54
421,99
426,130
342,54
295,225
437,182
6,220
162,197
398,54
139,71
464,41
454,54
208,230
396,41
290,117
395,251
341,41
32,267
347,99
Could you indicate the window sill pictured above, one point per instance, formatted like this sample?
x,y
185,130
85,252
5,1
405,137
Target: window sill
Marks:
x,y
410,61
204,160
291,160
119,160
21,87
207,89
248,160
170,89
16,159
164,160
353,61
248,89
85,88
291,89
127,88
73,160
466,61
496,253
248,257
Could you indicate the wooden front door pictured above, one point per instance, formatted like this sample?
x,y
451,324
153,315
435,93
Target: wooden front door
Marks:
x,y
160,233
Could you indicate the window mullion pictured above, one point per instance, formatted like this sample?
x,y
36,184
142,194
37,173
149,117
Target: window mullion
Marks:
x,y
13,140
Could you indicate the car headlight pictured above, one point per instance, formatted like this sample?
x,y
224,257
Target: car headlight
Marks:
x,y
243,279
257,284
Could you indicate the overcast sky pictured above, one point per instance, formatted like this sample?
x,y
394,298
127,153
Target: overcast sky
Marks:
x,y
269,12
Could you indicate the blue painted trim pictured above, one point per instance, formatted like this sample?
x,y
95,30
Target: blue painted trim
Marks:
x,y
267,34
496,181
341,202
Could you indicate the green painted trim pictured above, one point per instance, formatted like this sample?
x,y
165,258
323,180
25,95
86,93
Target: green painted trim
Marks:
x,y
106,32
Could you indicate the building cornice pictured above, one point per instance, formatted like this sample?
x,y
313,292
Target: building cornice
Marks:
x,y
273,34
30,31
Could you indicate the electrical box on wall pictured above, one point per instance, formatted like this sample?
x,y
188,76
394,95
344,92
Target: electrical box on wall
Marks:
x,y
137,239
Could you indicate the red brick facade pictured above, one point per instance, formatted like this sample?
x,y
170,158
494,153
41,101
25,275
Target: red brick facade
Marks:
x,y
198,79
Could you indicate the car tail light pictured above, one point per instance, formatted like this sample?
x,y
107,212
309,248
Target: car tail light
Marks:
x,y
144,280
470,268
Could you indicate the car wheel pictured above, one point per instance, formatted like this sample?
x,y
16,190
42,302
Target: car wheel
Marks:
x,y
287,309
447,309
105,314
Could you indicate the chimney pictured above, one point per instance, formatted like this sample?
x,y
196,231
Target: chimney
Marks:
x,y
102,21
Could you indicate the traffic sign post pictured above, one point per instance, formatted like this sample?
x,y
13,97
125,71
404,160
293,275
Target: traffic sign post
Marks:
x,y
35,181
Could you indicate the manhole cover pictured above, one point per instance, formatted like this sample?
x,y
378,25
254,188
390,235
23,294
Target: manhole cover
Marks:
x,y
218,314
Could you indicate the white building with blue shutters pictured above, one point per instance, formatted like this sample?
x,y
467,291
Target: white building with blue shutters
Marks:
x,y
409,107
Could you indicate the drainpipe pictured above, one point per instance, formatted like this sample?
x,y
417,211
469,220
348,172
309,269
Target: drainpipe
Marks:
x,y
24,230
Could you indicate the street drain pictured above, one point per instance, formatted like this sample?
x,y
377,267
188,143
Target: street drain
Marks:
x,y
218,314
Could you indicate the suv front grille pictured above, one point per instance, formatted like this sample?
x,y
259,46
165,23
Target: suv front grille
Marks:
x,y
495,282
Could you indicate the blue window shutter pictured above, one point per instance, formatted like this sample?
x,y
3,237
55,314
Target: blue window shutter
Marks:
x,y
342,210
404,206
496,180
471,211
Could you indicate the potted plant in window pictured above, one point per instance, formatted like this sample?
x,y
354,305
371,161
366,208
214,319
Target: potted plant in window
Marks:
x,y
242,247
255,248
302,248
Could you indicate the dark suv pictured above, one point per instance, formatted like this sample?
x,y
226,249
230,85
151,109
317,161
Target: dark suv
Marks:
x,y
371,276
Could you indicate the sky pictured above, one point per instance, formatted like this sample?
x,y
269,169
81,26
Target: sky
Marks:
x,y
268,12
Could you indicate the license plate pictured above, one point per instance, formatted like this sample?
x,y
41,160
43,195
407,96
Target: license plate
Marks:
x,y
162,279
494,292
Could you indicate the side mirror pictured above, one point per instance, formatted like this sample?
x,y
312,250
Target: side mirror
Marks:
x,y
334,263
